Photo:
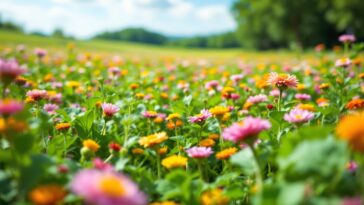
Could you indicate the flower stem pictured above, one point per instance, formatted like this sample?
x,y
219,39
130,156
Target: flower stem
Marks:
x,y
158,163
279,100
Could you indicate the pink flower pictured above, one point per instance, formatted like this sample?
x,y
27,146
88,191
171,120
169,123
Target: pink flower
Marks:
x,y
109,109
282,80
302,96
40,52
10,69
150,114
249,127
352,201
101,165
257,99
298,116
199,152
105,187
236,78
200,118
37,94
57,98
343,62
50,108
8,107
211,84
347,38
234,96
275,93
351,166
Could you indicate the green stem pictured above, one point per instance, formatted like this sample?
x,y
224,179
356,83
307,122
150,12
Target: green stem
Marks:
x,y
201,170
65,144
259,178
158,163
279,100
109,158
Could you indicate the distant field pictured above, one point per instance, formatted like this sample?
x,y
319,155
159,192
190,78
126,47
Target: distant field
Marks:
x,y
10,39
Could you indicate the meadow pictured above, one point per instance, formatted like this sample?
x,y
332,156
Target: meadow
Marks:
x,y
104,123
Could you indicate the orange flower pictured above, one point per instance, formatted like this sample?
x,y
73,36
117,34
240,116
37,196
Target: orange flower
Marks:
x,y
226,153
154,139
214,197
50,194
282,80
137,151
63,126
91,144
355,104
207,142
351,129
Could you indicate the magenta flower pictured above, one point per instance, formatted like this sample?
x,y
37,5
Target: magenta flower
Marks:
x,y
50,108
298,116
57,98
37,94
212,84
10,69
351,166
249,127
150,114
302,96
356,200
109,109
40,52
101,165
8,107
199,152
347,38
105,187
234,96
200,118
257,99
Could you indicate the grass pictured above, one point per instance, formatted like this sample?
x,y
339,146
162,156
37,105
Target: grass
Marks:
x,y
137,50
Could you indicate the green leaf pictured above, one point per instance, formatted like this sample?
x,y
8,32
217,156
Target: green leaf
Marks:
x,y
83,124
245,160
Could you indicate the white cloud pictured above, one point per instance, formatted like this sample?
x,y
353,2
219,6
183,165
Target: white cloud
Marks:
x,y
85,18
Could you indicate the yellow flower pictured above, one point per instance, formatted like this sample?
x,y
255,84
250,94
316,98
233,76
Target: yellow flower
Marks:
x,y
301,86
351,129
111,186
73,84
173,116
137,151
91,144
213,136
214,197
164,203
139,95
154,139
47,194
63,126
163,150
307,107
207,142
174,161
219,111
226,153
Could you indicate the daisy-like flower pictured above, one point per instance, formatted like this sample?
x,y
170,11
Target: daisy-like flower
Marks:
x,y
302,96
215,196
343,62
282,80
50,108
298,116
105,187
200,118
10,69
150,114
154,139
212,85
219,111
355,104
63,126
109,109
9,107
47,194
257,99
226,153
37,94
351,129
199,152
347,38
91,145
40,52
237,77
174,161
249,127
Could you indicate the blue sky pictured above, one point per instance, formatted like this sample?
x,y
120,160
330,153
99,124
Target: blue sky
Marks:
x,y
84,18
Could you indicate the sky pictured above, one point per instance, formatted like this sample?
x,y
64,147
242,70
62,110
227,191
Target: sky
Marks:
x,y
85,18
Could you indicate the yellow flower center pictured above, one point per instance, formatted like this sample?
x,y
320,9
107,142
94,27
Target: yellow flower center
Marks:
x,y
111,186
298,116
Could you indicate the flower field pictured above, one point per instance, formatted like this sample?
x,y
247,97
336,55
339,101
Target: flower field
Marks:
x,y
82,128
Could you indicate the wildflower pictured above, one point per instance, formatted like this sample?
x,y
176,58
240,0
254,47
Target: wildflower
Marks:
x,y
298,116
173,116
37,94
322,102
105,187
163,150
213,136
282,80
257,99
324,86
50,108
207,142
164,203
134,86
174,124
219,111
174,161
211,85
351,166
137,151
47,194
347,38
250,127
307,107
10,70
214,197
9,106
150,114
63,126
200,118
109,109
356,200
226,153
302,96
73,84
350,128
91,145
101,165
237,77
343,62
199,152
114,147
355,104
154,139
40,52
